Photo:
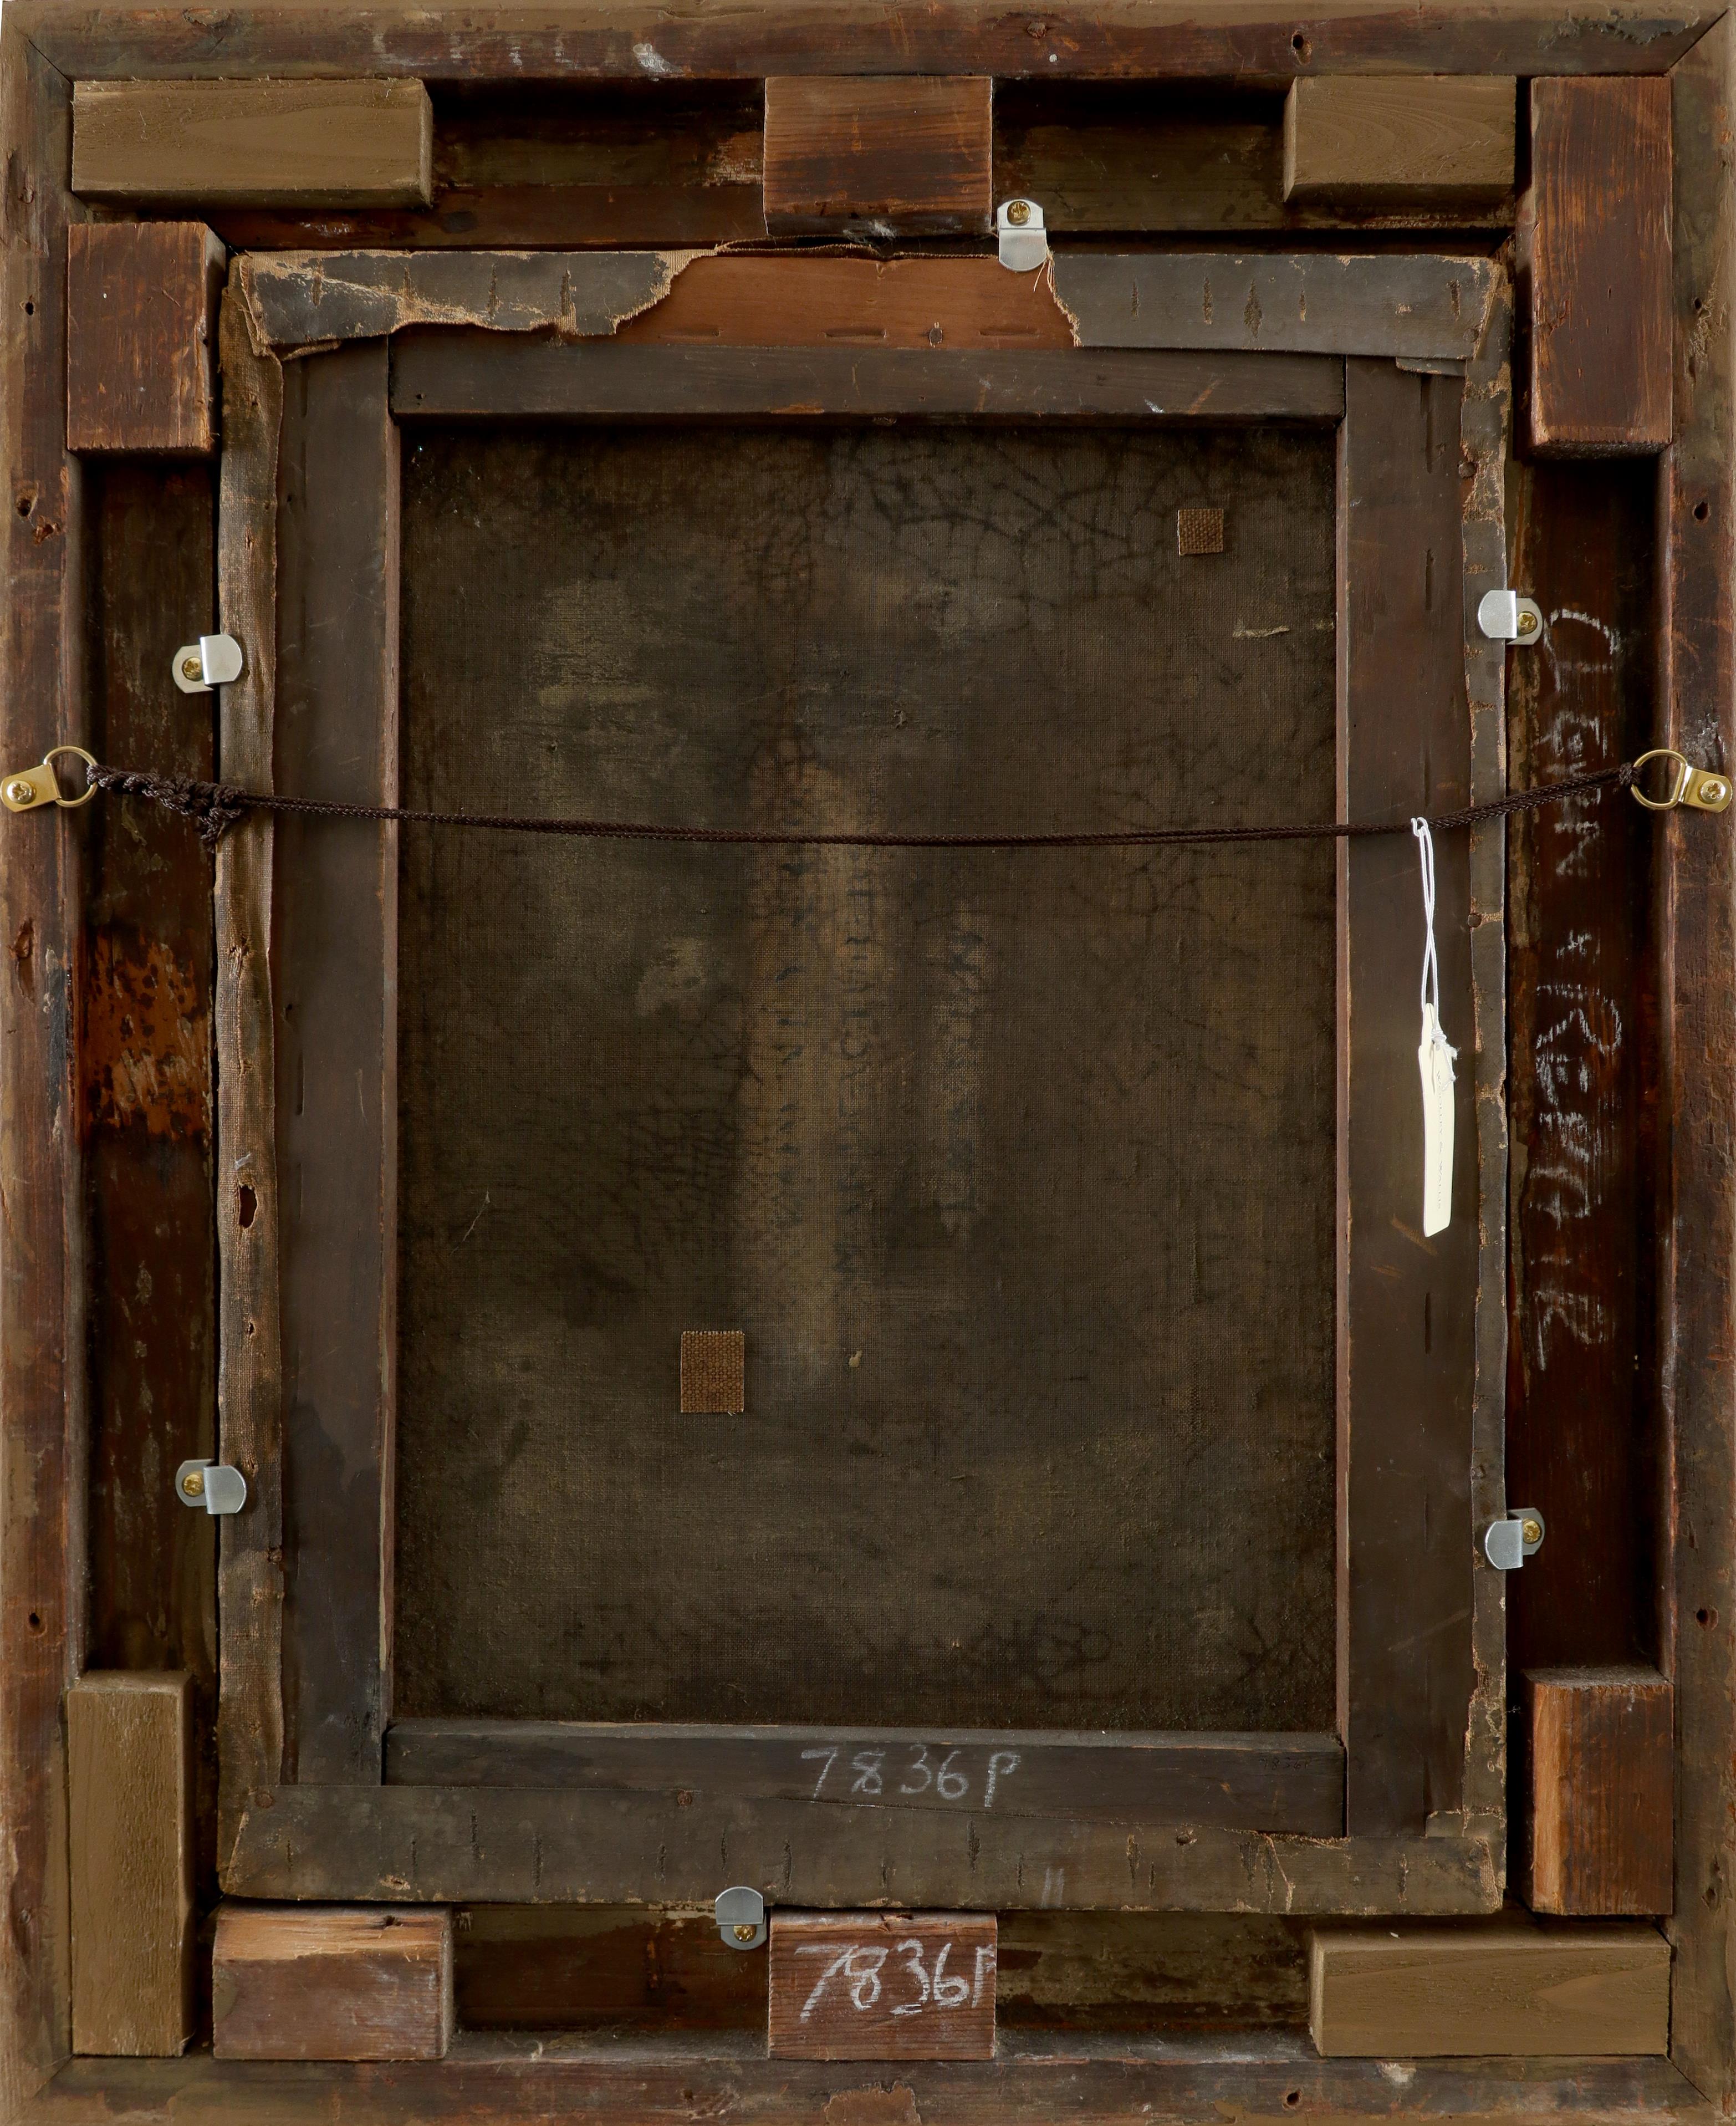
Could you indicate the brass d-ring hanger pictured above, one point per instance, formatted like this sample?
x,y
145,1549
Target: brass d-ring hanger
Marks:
x,y
28,788
1701,789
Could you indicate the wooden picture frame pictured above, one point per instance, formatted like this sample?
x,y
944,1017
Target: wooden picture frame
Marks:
x,y
67,657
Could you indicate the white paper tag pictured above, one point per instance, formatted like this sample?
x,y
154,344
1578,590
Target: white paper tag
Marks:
x,y
1435,1057
1435,1060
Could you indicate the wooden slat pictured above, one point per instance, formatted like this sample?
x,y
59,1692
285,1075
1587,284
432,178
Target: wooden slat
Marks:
x,y
249,1381
881,1986
1406,1316
526,1844
1595,237
1431,139
590,40
901,155
254,142
1278,1783
335,1000
1416,309
326,1983
1696,944
1599,1793
1118,2077
42,1243
141,302
1426,1992
129,1745
465,374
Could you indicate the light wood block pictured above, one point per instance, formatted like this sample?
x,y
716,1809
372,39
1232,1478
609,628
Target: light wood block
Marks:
x,y
1509,1987
332,1983
1595,234
1599,1791
129,1758
141,335
901,155
1372,140
881,1986
254,142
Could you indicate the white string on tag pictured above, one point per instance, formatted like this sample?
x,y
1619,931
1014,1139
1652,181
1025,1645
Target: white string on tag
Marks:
x,y
1435,1058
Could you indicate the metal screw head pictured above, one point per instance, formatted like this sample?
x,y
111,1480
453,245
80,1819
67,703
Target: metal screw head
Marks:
x,y
1712,788
21,793
189,667
1018,212
745,1933
193,1483
1532,1530
1527,623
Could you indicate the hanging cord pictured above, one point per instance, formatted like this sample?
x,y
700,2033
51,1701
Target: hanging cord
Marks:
x,y
1435,1055
215,807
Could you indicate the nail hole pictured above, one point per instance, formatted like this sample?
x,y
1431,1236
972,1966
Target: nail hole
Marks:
x,y
35,1622
26,503
1706,1617
29,309
1302,48
1702,510
1292,2098
249,1205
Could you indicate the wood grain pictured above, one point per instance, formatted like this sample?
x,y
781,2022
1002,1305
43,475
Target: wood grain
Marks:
x,y
142,336
1599,1791
326,1983
1407,1351
130,1749
602,39
253,143
1281,1782
1696,944
461,373
334,999
881,1985
249,1378
465,1845
1582,1443
1595,240
1422,1992
899,155
1431,140
43,1378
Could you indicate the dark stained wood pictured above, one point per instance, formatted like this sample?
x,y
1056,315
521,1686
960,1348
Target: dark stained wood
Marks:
x,y
1697,950
1405,1307
881,1985
365,142
335,1000
146,1104
1288,1782
250,1568
142,336
447,375
642,41
129,1747
1114,2079
1553,1991
1581,1443
1105,156
465,1844
326,1983
1415,308
603,1968
1595,238
43,1390
1429,138
1598,1798
529,217
900,155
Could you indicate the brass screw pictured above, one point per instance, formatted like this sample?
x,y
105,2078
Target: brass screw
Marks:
x,y
745,1932
1018,213
189,667
193,1483
1532,1530
1712,790
1527,623
20,792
